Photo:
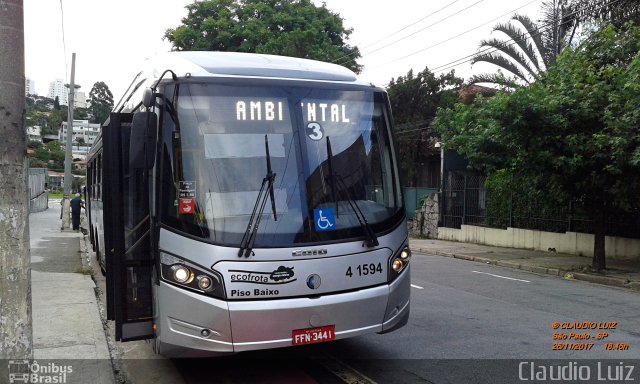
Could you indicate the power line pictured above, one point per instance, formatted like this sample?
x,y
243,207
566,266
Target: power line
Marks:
x,y
64,44
538,31
412,24
456,36
428,26
340,59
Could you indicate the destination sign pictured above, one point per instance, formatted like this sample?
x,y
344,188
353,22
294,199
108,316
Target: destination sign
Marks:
x,y
267,110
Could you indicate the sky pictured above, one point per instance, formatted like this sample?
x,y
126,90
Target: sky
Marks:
x,y
112,38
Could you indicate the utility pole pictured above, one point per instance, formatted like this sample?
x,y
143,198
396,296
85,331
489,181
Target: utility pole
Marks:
x,y
68,154
16,334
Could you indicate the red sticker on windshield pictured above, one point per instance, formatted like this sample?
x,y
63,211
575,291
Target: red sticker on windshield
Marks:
x,y
187,206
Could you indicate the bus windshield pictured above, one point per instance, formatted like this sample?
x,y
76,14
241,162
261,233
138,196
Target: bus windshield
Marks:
x,y
329,149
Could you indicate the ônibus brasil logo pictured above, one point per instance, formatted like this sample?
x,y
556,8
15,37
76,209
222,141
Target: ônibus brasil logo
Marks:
x,y
25,371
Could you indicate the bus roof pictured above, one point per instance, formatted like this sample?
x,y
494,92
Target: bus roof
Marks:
x,y
205,64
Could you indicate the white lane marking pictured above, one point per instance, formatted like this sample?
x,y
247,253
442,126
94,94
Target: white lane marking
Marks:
x,y
417,286
502,277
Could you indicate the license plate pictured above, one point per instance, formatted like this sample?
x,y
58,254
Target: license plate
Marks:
x,y
313,335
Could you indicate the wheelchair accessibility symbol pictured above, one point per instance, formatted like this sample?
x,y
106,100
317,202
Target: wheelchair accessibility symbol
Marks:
x,y
324,219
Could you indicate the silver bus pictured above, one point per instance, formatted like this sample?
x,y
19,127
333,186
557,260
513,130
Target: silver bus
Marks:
x,y
244,201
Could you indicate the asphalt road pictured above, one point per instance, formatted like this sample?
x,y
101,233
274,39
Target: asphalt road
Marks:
x,y
470,323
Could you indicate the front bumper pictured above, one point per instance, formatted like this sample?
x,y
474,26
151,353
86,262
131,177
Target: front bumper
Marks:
x,y
236,326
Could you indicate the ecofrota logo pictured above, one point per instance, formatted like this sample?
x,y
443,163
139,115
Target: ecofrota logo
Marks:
x,y
282,275
24,371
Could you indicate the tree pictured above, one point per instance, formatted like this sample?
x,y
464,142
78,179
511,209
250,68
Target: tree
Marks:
x,y
524,55
573,133
557,27
44,104
414,101
531,48
79,141
614,12
16,335
100,102
34,144
416,98
54,121
294,28
51,154
80,114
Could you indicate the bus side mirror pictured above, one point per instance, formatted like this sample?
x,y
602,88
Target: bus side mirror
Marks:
x,y
143,139
148,98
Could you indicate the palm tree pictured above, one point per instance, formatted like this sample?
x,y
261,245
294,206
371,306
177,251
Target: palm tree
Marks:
x,y
523,55
531,47
558,26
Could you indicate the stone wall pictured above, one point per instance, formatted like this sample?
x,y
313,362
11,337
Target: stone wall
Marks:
x,y
426,219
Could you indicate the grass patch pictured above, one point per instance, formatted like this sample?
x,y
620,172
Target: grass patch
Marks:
x,y
56,195
84,270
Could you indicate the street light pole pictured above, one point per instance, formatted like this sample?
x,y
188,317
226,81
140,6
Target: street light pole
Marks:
x,y
68,177
440,145
69,139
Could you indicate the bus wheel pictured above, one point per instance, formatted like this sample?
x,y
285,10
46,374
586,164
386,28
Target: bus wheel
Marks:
x,y
99,259
92,238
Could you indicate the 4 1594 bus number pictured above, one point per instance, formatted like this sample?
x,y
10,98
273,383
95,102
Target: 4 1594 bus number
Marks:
x,y
364,270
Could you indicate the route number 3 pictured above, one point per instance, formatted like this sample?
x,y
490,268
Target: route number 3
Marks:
x,y
315,131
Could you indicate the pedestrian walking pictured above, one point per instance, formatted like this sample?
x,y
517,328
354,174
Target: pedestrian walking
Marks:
x,y
76,205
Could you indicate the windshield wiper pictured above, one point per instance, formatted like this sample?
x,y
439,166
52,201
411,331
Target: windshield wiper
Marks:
x,y
334,178
271,178
246,244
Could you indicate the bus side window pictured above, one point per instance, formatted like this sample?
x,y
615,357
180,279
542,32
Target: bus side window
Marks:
x,y
99,176
89,181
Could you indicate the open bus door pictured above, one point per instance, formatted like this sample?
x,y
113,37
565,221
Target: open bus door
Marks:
x,y
127,234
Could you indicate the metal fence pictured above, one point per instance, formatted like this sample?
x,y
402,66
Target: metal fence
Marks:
x,y
38,196
465,201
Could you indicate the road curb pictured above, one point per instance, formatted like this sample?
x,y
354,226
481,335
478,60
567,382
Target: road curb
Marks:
x,y
602,280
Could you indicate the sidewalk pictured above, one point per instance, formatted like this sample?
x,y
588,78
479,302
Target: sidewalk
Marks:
x,y
66,321
619,273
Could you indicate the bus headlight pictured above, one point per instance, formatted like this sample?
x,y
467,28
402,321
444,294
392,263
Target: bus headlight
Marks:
x,y
405,253
399,262
182,273
204,282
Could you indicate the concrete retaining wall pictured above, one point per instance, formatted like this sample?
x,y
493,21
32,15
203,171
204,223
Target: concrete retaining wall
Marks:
x,y
569,242
40,203
38,196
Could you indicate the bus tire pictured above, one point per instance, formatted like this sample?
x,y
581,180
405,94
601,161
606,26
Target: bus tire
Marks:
x,y
92,238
